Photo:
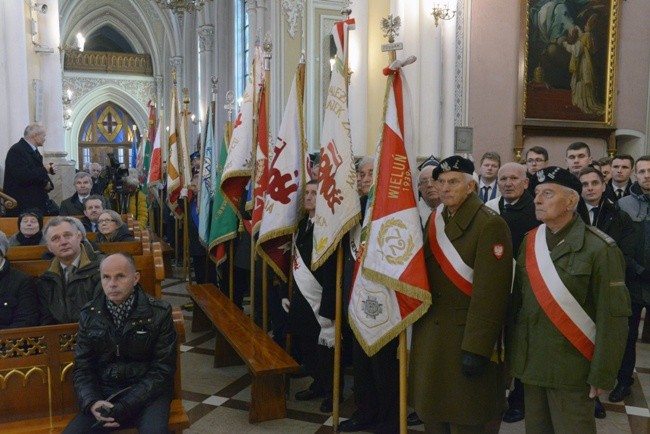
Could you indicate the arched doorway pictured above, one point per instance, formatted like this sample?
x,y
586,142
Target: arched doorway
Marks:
x,y
107,129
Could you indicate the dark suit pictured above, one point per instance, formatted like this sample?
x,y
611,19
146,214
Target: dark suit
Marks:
x,y
301,320
26,179
72,206
520,218
610,190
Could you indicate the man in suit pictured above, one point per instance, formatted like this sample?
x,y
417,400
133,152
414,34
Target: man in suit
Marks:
x,y
26,178
74,205
578,156
93,208
620,182
456,375
536,159
487,189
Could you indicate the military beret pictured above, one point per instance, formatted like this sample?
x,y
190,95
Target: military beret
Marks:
x,y
454,163
195,155
560,176
431,161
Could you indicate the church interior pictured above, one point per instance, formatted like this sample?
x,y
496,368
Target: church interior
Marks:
x,y
486,78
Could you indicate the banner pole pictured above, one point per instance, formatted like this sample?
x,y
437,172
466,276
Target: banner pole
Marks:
x,y
265,291
336,392
231,269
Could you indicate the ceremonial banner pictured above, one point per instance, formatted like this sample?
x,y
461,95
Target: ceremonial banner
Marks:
x,y
286,184
144,160
208,186
337,203
154,177
239,165
261,178
391,290
175,182
134,149
224,220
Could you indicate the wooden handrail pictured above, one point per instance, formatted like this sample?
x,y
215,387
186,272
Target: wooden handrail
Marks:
x,y
9,202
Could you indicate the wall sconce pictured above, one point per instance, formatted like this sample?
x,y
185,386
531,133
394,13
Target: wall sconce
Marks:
x,y
442,12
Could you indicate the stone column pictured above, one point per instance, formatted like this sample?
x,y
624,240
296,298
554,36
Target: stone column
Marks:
x,y
206,56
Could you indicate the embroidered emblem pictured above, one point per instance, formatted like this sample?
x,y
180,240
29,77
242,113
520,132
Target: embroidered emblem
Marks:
x,y
497,250
372,308
395,241
540,176
445,166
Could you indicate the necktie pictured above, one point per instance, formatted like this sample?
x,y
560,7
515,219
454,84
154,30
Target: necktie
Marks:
x,y
486,193
93,227
594,214
69,271
619,193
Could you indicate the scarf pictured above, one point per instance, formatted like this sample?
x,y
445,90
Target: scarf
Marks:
x,y
120,312
34,240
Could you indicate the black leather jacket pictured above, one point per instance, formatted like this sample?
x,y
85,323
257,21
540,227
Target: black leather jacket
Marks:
x,y
142,355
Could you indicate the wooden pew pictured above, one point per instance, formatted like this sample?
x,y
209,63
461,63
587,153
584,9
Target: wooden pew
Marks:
x,y
239,340
30,253
150,267
37,393
9,225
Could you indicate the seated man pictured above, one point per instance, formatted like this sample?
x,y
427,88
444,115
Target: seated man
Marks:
x,y
93,208
18,302
74,205
125,357
72,279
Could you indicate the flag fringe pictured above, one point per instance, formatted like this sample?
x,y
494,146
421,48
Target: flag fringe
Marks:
x,y
372,349
339,236
413,292
214,244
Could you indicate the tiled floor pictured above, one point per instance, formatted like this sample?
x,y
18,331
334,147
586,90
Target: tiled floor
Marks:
x,y
217,399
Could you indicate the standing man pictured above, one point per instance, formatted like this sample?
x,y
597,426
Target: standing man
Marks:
x,y
26,178
99,182
427,189
456,372
126,345
619,185
73,278
637,206
536,159
578,156
74,205
487,189
606,168
311,314
569,311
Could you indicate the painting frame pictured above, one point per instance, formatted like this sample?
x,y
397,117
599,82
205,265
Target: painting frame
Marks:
x,y
568,63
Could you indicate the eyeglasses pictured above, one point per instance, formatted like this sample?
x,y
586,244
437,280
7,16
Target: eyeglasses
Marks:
x,y
535,160
102,221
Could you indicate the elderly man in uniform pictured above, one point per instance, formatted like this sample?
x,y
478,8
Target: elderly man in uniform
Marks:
x,y
569,311
456,372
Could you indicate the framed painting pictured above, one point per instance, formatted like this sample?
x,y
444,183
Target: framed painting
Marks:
x,y
569,62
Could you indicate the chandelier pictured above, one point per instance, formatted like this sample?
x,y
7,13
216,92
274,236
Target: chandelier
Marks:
x,y
181,6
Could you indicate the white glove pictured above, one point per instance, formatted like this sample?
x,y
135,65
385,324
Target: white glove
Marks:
x,y
183,192
285,304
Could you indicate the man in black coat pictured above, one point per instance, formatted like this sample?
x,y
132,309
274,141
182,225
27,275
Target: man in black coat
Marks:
x,y
74,205
126,355
311,312
26,178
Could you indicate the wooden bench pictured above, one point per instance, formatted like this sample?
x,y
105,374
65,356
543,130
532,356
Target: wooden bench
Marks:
x,y
37,393
9,225
239,340
150,267
30,253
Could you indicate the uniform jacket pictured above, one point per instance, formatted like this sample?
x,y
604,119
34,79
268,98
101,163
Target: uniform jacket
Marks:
x,y
456,322
71,206
592,268
141,354
25,178
637,206
61,303
18,302
301,319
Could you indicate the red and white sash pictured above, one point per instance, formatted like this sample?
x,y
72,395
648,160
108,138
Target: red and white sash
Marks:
x,y
554,297
313,291
461,274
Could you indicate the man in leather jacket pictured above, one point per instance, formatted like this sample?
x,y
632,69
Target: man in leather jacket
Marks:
x,y
125,357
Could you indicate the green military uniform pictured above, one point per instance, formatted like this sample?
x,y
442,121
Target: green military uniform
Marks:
x,y
454,323
591,266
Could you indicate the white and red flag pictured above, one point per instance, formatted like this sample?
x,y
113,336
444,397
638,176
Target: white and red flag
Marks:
x,y
286,184
261,178
238,169
175,171
337,203
391,289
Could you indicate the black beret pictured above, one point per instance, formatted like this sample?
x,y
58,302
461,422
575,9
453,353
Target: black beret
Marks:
x,y
454,163
560,176
194,155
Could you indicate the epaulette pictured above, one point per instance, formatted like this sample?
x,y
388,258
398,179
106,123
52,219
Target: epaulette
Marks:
x,y
609,240
489,210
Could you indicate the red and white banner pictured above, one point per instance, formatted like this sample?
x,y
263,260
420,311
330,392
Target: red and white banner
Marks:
x,y
154,178
286,184
554,297
239,164
391,289
337,203
261,178
175,181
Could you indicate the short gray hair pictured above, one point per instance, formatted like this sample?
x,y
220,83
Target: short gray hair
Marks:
x,y
521,170
72,221
115,217
32,130
80,175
